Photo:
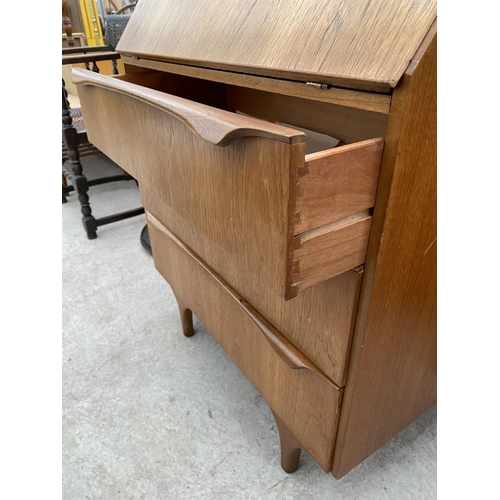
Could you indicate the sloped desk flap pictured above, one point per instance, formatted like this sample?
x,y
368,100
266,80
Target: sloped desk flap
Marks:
x,y
363,44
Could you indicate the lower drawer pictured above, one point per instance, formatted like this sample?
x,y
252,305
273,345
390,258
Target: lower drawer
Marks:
x,y
297,391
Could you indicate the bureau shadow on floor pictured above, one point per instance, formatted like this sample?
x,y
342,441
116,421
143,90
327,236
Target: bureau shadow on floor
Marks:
x,y
150,413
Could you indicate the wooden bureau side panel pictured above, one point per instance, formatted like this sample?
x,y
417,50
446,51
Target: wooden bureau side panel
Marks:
x,y
302,399
392,373
318,321
237,195
337,183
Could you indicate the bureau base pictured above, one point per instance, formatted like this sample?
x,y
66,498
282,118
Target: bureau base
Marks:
x,y
304,401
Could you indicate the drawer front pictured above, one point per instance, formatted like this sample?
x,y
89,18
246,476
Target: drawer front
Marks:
x,y
296,390
292,220
319,321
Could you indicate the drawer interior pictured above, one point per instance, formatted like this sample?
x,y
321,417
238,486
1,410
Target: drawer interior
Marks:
x,y
326,125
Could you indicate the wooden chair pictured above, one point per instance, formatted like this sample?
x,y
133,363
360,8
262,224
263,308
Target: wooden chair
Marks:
x,y
75,140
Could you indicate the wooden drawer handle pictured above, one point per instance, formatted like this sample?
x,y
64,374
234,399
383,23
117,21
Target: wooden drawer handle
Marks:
x,y
295,359
213,125
283,347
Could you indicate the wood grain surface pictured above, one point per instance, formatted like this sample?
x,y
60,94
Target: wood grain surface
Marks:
x,y
150,134
392,373
337,183
240,217
319,321
199,180
296,390
212,125
342,122
289,354
330,250
365,44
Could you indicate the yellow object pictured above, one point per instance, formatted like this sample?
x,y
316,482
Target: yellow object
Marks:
x,y
92,25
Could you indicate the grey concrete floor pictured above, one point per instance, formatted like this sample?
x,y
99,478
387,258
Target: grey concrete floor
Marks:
x,y
150,414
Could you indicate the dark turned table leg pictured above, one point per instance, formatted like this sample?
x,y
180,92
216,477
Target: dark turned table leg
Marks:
x,y
79,180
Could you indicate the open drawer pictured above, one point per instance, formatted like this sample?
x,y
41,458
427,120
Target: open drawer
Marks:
x,y
291,219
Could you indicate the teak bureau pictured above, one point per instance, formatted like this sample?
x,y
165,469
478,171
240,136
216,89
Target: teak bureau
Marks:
x,y
311,260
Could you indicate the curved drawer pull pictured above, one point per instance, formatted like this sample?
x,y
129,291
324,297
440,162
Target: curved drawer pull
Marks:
x,y
213,125
281,345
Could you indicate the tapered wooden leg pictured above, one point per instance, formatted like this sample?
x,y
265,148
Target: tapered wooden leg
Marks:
x,y
186,318
290,447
